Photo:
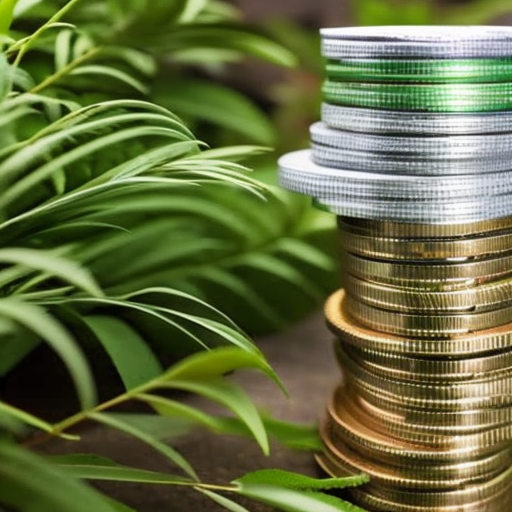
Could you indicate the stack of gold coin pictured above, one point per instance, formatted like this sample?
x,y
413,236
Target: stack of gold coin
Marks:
x,y
424,339
414,155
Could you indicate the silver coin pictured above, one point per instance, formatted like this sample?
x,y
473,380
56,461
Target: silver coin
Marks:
x,y
455,42
366,120
299,173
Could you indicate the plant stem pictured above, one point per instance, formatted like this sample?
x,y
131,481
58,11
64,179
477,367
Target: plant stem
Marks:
x,y
81,416
50,80
25,45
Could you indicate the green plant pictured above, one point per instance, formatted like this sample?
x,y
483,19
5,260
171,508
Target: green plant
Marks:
x,y
109,210
172,62
424,12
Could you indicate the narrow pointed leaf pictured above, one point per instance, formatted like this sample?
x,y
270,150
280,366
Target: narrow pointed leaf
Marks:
x,y
231,396
65,269
32,484
224,502
295,435
291,500
6,14
215,363
290,480
167,451
131,355
110,72
219,105
93,467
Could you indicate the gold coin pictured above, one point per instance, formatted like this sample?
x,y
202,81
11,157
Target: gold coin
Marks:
x,y
348,406
347,430
462,397
421,419
432,325
409,230
422,369
446,276
487,490
488,340
496,503
364,497
343,460
480,245
474,299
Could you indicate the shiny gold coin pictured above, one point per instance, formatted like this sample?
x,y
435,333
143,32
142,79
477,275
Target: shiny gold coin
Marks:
x,y
426,326
409,230
346,408
364,498
343,326
343,460
348,405
462,397
421,419
496,503
347,430
447,276
474,299
440,498
376,503
426,249
423,369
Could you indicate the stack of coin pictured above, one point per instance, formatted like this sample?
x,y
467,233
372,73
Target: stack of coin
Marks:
x,y
414,156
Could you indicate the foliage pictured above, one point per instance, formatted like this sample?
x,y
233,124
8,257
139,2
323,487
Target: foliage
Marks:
x,y
117,227
425,12
115,45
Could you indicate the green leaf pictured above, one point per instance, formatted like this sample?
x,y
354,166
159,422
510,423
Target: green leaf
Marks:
x,y
306,253
119,506
167,451
178,412
94,467
110,72
290,480
159,427
25,5
6,14
219,105
228,504
5,73
32,484
133,359
31,420
138,60
191,10
231,396
294,435
41,323
228,36
244,293
215,363
52,264
291,500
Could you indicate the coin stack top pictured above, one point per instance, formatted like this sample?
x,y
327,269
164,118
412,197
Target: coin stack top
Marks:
x,y
415,126
413,154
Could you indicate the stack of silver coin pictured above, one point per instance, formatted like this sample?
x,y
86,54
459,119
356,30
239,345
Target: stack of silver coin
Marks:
x,y
413,155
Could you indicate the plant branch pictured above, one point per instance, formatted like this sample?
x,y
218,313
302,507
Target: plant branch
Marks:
x,y
82,416
50,80
24,45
